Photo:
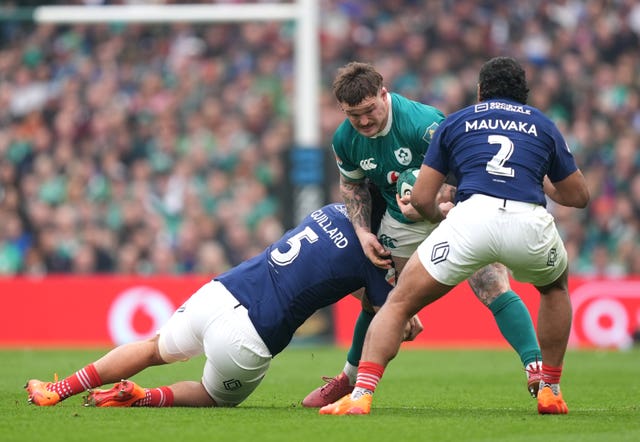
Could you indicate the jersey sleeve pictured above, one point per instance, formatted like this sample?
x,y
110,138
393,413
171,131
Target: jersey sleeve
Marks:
x,y
339,144
563,163
424,120
435,157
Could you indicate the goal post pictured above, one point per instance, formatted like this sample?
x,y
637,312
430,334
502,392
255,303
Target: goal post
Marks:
x,y
307,169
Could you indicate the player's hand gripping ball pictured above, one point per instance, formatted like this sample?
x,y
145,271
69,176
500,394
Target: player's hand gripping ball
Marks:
x,y
405,182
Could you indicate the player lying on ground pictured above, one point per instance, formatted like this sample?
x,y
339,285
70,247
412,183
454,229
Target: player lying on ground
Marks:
x,y
506,156
240,320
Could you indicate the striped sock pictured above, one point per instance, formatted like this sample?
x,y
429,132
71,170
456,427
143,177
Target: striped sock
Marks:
x,y
156,397
369,374
551,377
78,382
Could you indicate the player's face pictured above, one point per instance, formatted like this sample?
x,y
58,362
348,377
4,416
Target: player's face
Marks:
x,y
369,116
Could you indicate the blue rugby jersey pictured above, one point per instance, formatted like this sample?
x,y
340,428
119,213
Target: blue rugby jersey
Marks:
x,y
312,266
500,148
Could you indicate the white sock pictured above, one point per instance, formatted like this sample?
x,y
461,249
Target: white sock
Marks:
x,y
533,366
351,371
554,387
359,391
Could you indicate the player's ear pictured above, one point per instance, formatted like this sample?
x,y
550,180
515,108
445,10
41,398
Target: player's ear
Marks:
x,y
478,91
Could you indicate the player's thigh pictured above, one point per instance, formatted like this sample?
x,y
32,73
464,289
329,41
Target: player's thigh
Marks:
x,y
237,358
534,250
181,337
402,239
460,245
415,289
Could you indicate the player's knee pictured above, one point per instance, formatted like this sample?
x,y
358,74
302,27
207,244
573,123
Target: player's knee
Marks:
x,y
560,284
490,282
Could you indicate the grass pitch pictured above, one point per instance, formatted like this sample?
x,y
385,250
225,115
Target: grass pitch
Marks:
x,y
434,395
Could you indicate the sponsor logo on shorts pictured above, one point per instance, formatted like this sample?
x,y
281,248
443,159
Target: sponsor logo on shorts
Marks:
x,y
440,252
232,384
387,241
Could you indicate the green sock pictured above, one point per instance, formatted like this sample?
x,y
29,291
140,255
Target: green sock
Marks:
x,y
514,322
359,332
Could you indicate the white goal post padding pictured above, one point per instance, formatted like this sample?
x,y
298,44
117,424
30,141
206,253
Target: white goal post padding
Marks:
x,y
166,13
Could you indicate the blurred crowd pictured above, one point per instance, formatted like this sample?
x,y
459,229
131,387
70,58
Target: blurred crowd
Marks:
x,y
161,149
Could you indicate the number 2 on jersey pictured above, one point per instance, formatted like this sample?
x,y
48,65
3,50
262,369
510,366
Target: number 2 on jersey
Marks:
x,y
295,242
496,165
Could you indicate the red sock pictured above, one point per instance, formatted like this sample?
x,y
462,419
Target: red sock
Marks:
x,y
156,397
551,375
369,374
78,382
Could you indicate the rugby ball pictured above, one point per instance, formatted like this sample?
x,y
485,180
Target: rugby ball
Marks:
x,y
406,180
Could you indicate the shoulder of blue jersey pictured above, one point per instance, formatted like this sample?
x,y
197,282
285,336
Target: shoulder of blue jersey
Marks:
x,y
406,180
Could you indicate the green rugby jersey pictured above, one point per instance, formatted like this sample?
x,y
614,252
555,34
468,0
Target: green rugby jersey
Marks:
x,y
383,157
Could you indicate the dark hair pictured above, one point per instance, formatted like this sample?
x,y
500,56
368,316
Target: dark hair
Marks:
x,y
503,77
355,82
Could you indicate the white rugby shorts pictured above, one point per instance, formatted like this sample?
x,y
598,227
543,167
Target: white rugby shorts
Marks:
x,y
483,230
402,239
213,322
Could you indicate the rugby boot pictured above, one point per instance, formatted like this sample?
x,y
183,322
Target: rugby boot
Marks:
x,y
39,394
333,389
550,403
122,394
349,406
534,376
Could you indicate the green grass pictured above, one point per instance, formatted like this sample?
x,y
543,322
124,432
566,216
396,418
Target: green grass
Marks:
x,y
435,395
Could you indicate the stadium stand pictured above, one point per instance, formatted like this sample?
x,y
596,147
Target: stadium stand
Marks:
x,y
160,149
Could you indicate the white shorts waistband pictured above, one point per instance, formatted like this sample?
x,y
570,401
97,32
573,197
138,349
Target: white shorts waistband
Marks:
x,y
501,203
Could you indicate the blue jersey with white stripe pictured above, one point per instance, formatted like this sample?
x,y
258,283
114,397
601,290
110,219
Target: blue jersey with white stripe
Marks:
x,y
312,266
500,148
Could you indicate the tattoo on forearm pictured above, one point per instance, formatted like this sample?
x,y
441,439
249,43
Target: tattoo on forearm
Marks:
x,y
358,201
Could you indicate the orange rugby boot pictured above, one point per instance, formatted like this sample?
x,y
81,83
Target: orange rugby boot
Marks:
x,y
122,394
39,394
346,405
550,403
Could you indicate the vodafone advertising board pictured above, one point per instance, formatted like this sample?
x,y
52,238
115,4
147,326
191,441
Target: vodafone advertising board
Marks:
x,y
107,311
88,311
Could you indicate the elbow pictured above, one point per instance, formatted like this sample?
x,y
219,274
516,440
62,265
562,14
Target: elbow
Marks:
x,y
583,199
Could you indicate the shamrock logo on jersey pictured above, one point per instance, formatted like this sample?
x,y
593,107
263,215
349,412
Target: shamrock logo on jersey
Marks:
x,y
403,155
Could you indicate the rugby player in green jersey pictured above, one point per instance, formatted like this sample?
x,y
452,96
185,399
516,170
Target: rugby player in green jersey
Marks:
x,y
384,134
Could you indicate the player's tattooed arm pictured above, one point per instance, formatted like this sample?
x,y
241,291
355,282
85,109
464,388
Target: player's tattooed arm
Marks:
x,y
357,199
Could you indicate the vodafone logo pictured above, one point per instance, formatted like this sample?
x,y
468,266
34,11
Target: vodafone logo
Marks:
x,y
137,314
605,314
